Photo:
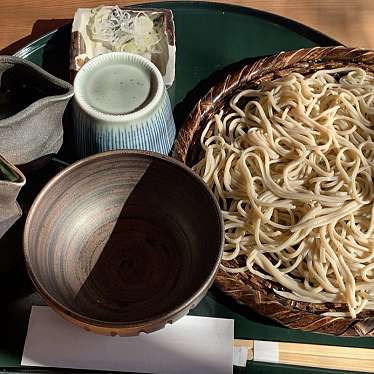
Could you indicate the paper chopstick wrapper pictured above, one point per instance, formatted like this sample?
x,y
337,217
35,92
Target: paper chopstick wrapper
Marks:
x,y
301,354
199,345
119,23
266,351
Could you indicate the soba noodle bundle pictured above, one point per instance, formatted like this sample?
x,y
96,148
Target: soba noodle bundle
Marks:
x,y
291,164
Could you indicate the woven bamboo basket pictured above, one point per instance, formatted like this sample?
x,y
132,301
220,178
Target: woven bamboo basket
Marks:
x,y
248,289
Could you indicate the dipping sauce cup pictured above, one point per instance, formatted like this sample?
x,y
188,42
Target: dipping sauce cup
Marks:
x,y
121,102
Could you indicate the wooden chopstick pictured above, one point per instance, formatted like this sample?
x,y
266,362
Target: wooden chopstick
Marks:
x,y
314,355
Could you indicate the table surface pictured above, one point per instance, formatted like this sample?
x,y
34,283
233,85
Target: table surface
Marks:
x,y
350,22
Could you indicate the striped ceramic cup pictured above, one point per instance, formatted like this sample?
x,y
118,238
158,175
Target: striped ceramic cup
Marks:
x,y
121,103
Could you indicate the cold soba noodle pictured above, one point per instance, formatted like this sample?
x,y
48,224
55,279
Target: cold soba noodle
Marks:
x,y
291,165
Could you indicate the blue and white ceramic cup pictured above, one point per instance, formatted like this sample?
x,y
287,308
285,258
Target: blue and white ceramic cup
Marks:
x,y
121,103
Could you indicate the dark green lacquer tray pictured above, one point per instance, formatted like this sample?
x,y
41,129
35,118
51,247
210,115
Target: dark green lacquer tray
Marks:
x,y
210,37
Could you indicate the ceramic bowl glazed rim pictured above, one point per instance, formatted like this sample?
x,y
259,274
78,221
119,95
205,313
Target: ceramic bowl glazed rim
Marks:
x,y
20,182
42,101
167,316
120,57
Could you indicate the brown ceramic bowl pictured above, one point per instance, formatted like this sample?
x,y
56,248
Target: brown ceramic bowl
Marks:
x,y
124,242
